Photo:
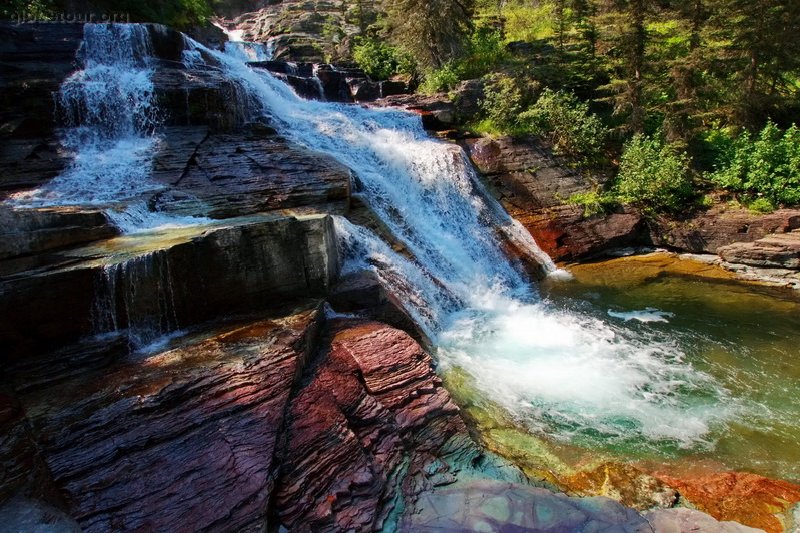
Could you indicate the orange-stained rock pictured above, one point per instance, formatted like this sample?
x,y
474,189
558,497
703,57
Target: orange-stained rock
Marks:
x,y
624,483
747,498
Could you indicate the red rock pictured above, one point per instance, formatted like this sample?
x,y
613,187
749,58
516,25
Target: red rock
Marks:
x,y
184,440
372,404
742,497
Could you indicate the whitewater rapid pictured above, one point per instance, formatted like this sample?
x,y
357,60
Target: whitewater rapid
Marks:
x,y
563,373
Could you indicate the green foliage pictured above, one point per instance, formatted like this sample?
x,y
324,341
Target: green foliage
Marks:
x,y
380,60
484,51
593,202
526,22
567,123
434,32
503,102
33,9
764,168
442,79
653,176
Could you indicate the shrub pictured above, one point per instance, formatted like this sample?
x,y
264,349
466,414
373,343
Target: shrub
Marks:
x,y
443,79
593,202
485,51
379,60
653,176
503,102
567,123
764,169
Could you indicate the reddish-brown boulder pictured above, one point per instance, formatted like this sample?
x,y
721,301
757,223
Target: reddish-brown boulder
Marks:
x,y
372,405
182,440
742,497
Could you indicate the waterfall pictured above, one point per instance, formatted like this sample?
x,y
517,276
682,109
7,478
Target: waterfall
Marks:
x,y
110,114
564,373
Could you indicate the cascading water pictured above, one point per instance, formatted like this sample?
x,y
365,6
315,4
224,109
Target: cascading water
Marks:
x,y
111,116
108,107
562,372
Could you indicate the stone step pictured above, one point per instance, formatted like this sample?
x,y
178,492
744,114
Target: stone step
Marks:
x,y
148,285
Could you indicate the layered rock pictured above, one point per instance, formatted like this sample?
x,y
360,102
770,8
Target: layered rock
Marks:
x,y
152,285
720,226
303,31
222,175
532,184
185,439
372,410
437,112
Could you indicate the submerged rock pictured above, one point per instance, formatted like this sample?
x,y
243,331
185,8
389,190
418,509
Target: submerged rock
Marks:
x,y
682,520
624,483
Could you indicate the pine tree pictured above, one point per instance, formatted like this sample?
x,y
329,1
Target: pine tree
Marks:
x,y
433,31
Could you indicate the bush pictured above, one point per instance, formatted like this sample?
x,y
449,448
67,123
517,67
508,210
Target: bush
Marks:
x,y
593,202
381,61
764,169
443,79
653,176
567,123
503,102
485,51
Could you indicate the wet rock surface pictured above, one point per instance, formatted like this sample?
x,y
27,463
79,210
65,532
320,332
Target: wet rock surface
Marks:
x,y
223,175
181,439
154,284
743,497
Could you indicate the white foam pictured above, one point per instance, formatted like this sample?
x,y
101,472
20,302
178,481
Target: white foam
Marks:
x,y
647,315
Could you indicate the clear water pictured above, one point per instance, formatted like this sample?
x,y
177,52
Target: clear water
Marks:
x,y
745,339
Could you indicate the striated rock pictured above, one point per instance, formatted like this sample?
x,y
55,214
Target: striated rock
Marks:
x,y
467,99
524,172
437,112
29,231
371,409
23,514
23,470
623,483
777,250
34,59
532,184
28,163
155,284
226,175
182,440
720,226
682,520
361,293
746,498
304,31
566,235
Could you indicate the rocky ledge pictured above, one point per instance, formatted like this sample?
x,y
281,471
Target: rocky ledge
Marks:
x,y
278,419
